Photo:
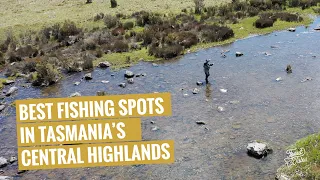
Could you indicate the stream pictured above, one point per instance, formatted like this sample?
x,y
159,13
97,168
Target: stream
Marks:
x,y
257,107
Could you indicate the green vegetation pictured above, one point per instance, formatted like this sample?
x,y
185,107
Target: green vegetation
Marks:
x,y
124,37
309,169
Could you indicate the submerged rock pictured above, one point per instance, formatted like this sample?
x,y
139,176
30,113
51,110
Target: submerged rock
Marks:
x,y
88,76
221,109
128,74
306,79
258,149
238,54
200,122
292,29
11,91
6,178
3,162
76,94
2,107
279,79
199,83
76,83
101,93
155,65
130,81
105,64
223,90
105,82
13,159
123,85
289,69
195,91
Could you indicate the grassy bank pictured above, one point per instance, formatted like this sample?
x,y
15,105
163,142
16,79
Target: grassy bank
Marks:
x,y
309,169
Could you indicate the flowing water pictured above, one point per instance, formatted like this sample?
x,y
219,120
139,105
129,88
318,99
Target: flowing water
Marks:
x,y
257,107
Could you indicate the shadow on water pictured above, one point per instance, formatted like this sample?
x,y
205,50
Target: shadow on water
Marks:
x,y
256,108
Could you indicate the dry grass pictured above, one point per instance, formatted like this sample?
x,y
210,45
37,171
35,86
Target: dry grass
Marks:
x,y
22,15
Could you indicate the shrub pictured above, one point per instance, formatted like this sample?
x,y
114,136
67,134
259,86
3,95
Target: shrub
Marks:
x,y
89,1
29,66
263,23
87,63
90,44
186,39
47,74
211,11
284,16
199,6
26,51
128,25
147,36
69,28
118,31
13,57
114,3
110,21
2,60
167,51
214,33
252,11
120,46
98,17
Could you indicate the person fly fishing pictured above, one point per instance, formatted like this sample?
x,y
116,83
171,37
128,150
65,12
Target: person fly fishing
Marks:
x,y
206,67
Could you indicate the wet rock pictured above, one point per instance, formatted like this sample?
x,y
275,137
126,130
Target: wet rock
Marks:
x,y
143,74
234,102
76,83
223,90
258,149
128,74
123,85
152,122
22,171
292,29
195,91
88,76
155,128
199,83
111,74
11,91
130,81
155,65
12,159
274,47
317,29
105,82
239,54
200,122
138,75
2,97
289,69
267,54
306,79
105,64
6,178
221,109
3,162
8,82
185,95
76,94
223,56
282,176
279,79
2,107
101,93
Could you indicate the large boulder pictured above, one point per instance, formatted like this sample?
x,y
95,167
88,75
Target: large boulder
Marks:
x,y
258,149
105,64
3,162
129,74
11,91
88,76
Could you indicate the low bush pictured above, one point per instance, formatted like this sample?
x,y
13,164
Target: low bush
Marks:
x,y
166,51
47,74
114,3
110,21
120,46
263,23
128,25
98,17
284,16
214,33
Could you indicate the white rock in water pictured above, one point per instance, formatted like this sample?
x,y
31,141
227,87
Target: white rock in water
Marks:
x,y
11,91
220,109
3,162
76,83
129,74
279,79
195,91
6,178
105,82
292,29
104,64
223,90
88,76
238,54
258,149
76,94
2,107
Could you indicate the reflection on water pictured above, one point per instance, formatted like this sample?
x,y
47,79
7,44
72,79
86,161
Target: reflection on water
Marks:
x,y
261,108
